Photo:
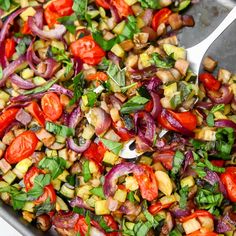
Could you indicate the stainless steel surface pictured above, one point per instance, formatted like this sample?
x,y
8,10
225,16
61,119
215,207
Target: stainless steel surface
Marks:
x,y
207,14
129,152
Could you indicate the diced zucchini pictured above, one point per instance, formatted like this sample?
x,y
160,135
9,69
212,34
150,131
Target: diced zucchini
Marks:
x,y
67,192
51,153
63,176
140,22
4,96
24,165
93,167
131,183
145,59
131,2
168,199
28,12
206,134
206,222
56,184
118,50
114,86
18,174
39,80
63,153
4,166
191,226
187,181
3,184
101,208
61,205
218,115
110,158
91,201
9,177
57,44
102,12
119,27
29,206
164,182
178,53
84,191
60,139
146,160
120,195
93,13
27,73
88,132
129,225
170,90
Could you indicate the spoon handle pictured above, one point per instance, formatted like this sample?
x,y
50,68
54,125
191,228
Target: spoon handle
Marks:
x,y
196,53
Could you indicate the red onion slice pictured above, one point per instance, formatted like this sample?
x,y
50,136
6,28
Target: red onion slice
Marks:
x,y
79,202
27,98
225,123
11,68
176,124
21,83
117,171
157,107
65,220
223,96
76,148
61,90
56,33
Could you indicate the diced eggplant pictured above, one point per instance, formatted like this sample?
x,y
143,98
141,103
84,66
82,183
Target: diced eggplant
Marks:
x,y
224,76
182,66
175,21
188,20
209,64
44,136
173,40
4,166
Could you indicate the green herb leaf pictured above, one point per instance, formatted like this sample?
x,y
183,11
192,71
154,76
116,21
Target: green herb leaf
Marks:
x,y
130,28
113,146
61,130
1,73
116,74
176,100
79,84
175,232
183,197
214,168
183,4
143,92
45,207
153,4
91,98
225,140
40,181
130,197
161,62
68,22
5,4
71,179
88,222
210,120
106,45
104,225
80,8
86,172
42,88
98,191
55,165
134,104
219,107
104,64
23,44
177,163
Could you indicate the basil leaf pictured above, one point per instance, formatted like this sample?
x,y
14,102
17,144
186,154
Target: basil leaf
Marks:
x,y
116,74
68,22
224,140
5,4
104,225
177,163
219,107
45,207
183,197
214,168
143,92
183,4
106,45
153,4
161,62
71,179
175,232
23,44
210,120
78,84
42,88
55,165
113,146
98,191
130,28
80,8
61,130
91,98
130,197
134,104
86,172
175,101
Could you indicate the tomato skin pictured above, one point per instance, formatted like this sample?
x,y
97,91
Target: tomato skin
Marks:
x,y
195,214
156,207
98,76
123,9
87,50
109,220
166,158
124,134
6,118
148,107
29,177
10,47
103,3
161,17
26,29
199,233
51,106
36,112
229,180
147,183
57,9
23,146
219,163
49,192
209,81
187,120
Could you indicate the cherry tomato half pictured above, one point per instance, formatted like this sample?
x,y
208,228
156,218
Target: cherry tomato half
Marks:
x,y
165,157
10,47
110,222
26,29
36,112
49,192
195,214
123,9
161,17
87,50
156,207
51,106
199,233
209,81
23,146
103,3
97,76
147,183
29,177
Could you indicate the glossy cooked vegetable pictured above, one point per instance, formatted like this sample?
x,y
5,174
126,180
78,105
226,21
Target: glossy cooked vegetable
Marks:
x,y
81,79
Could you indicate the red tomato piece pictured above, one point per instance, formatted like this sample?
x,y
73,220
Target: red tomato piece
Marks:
x,y
51,106
36,112
166,158
156,207
209,81
124,134
219,163
23,146
199,233
123,9
229,180
29,177
97,76
103,3
109,220
147,183
49,192
161,17
195,214
95,152
57,9
6,118
87,50
26,29
148,107
10,47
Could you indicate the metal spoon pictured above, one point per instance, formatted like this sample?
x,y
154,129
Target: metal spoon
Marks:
x,y
195,56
